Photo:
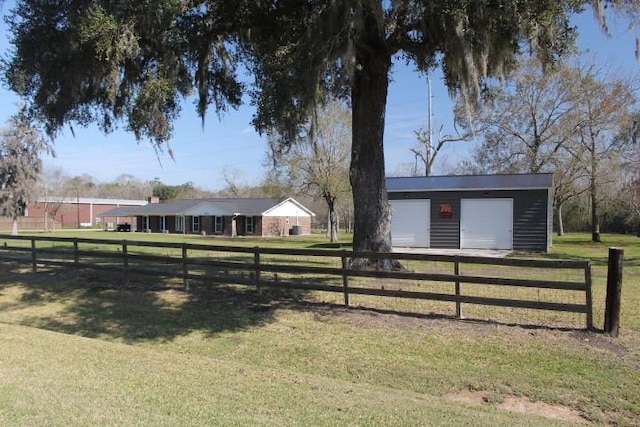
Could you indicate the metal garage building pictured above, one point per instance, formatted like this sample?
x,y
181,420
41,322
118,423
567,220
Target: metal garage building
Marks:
x,y
511,212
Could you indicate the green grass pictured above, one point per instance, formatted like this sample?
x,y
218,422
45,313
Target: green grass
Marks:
x,y
68,380
307,241
580,246
90,351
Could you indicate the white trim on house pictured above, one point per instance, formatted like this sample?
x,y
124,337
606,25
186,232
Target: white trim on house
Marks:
x,y
288,207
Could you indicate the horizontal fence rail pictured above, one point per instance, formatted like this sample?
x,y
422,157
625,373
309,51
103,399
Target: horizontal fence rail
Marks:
x,y
318,270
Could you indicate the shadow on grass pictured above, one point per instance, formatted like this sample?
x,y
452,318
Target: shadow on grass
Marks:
x,y
564,256
319,307
346,246
632,261
97,306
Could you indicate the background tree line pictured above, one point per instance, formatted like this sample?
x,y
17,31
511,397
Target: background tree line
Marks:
x,y
575,120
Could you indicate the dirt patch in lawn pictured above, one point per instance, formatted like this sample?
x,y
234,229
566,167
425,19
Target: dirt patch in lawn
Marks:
x,y
556,412
520,405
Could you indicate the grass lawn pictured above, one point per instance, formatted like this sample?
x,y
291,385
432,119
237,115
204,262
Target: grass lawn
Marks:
x,y
579,246
91,352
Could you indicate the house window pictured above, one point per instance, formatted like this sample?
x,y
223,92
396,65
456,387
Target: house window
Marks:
x,y
163,223
145,223
180,223
217,224
195,224
249,225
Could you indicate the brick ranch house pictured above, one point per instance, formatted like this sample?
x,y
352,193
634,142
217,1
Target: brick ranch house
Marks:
x,y
223,217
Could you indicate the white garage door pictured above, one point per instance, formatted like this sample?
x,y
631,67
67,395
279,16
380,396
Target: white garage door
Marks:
x,y
410,221
486,224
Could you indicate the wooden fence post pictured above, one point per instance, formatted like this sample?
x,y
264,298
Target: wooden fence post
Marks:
x,y
256,272
456,271
588,295
125,261
34,260
76,257
185,268
614,291
345,280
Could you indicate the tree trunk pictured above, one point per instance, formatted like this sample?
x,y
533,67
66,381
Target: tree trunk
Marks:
x,y
14,227
328,233
333,221
593,188
595,215
332,228
347,219
560,223
371,230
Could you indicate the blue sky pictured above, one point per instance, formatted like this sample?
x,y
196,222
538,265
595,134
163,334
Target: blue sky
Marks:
x,y
201,154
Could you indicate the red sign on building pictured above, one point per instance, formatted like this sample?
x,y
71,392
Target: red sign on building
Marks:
x,y
446,211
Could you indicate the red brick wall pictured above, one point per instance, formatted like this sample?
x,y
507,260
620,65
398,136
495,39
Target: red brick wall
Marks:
x,y
70,215
278,226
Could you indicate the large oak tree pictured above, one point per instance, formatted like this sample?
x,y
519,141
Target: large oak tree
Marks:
x,y
79,61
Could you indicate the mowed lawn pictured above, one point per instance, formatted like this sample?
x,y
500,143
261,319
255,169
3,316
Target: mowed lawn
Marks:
x,y
88,351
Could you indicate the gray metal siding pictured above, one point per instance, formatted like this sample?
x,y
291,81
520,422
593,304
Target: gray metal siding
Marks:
x,y
530,228
445,232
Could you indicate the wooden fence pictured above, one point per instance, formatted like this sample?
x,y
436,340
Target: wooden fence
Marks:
x,y
447,276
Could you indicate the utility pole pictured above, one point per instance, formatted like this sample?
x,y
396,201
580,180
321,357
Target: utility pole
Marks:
x,y
78,205
427,149
429,129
